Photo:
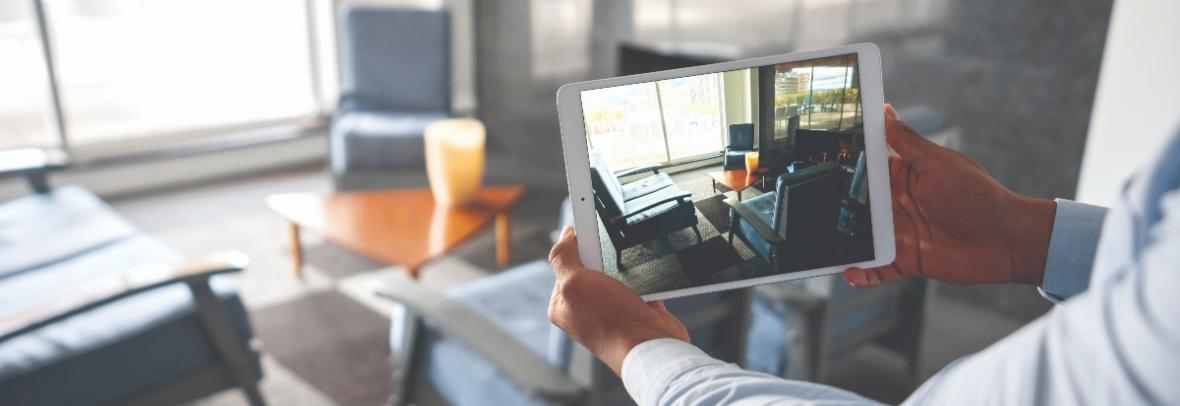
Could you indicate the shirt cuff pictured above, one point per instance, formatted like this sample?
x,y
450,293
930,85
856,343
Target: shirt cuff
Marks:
x,y
1076,228
653,365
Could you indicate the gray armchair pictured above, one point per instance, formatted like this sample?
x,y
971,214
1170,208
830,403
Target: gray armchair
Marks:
x,y
489,342
93,312
641,211
395,80
741,141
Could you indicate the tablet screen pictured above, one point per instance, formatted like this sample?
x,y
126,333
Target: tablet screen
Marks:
x,y
729,176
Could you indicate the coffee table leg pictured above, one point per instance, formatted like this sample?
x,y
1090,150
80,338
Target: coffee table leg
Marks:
x,y
296,249
502,238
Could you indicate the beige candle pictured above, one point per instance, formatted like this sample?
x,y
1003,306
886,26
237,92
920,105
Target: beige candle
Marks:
x,y
455,159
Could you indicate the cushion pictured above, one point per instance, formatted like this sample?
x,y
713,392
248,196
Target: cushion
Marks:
x,y
763,206
515,300
396,58
373,139
734,159
149,339
638,205
40,229
645,186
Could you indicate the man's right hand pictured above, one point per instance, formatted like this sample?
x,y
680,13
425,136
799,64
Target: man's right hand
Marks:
x,y
953,222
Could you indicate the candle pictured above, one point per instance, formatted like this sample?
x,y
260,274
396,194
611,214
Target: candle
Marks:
x,y
455,159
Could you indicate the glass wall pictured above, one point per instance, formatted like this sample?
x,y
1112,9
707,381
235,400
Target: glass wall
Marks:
x,y
133,68
25,112
662,122
825,94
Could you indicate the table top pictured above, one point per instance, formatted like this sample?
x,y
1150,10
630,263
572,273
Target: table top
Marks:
x,y
737,179
402,227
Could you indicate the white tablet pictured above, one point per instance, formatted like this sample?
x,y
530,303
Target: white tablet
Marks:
x,y
731,175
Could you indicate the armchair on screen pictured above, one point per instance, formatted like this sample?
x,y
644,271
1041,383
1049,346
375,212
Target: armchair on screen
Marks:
x,y
489,342
395,80
787,227
641,211
741,141
94,312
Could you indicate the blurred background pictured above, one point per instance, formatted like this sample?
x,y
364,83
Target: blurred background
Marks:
x,y
184,116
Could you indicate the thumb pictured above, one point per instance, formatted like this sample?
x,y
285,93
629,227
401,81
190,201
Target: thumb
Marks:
x,y
911,147
564,256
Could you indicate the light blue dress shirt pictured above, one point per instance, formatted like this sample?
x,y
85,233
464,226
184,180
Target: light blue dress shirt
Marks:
x,y
1114,339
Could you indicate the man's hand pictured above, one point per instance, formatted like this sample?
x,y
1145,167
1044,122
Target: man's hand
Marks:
x,y
600,312
953,222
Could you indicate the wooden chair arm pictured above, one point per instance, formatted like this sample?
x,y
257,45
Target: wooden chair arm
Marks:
x,y
115,286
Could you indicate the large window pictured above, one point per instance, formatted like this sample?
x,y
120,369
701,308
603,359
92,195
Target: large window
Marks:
x,y
25,117
149,72
665,121
130,68
824,94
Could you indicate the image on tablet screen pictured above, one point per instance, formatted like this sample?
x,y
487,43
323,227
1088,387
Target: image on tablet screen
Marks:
x,y
730,176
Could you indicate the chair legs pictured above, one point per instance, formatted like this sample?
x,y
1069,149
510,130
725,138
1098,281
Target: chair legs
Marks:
x,y
698,231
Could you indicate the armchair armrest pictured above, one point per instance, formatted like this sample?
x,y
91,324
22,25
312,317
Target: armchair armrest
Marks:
x,y
120,285
521,365
33,163
670,198
756,221
654,168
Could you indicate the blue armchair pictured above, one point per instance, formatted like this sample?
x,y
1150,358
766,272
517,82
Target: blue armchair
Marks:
x,y
489,342
775,230
396,79
741,141
94,312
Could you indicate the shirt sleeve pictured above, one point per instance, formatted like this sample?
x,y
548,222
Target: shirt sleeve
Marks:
x,y
1074,240
1115,343
672,372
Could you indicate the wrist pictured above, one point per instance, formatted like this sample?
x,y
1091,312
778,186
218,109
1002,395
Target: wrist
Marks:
x,y
1028,229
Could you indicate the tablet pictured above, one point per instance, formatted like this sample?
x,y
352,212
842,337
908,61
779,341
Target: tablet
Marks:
x,y
733,174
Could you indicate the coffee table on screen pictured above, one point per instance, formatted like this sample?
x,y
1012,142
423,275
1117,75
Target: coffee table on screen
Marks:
x,y
738,179
398,227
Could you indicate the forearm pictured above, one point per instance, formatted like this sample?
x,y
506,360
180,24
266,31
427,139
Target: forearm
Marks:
x,y
668,371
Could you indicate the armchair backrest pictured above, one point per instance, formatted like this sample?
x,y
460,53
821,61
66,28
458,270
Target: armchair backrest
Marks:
x,y
741,136
808,199
395,59
608,192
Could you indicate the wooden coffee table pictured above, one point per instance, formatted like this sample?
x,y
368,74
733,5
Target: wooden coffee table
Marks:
x,y
737,179
397,227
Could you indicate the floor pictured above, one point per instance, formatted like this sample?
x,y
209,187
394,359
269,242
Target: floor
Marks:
x,y
325,336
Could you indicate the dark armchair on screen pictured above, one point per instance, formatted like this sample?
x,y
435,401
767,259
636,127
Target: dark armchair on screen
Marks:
x,y
94,312
641,211
741,141
788,227
395,80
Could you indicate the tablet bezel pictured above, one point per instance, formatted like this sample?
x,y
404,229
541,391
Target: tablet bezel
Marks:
x,y
577,160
